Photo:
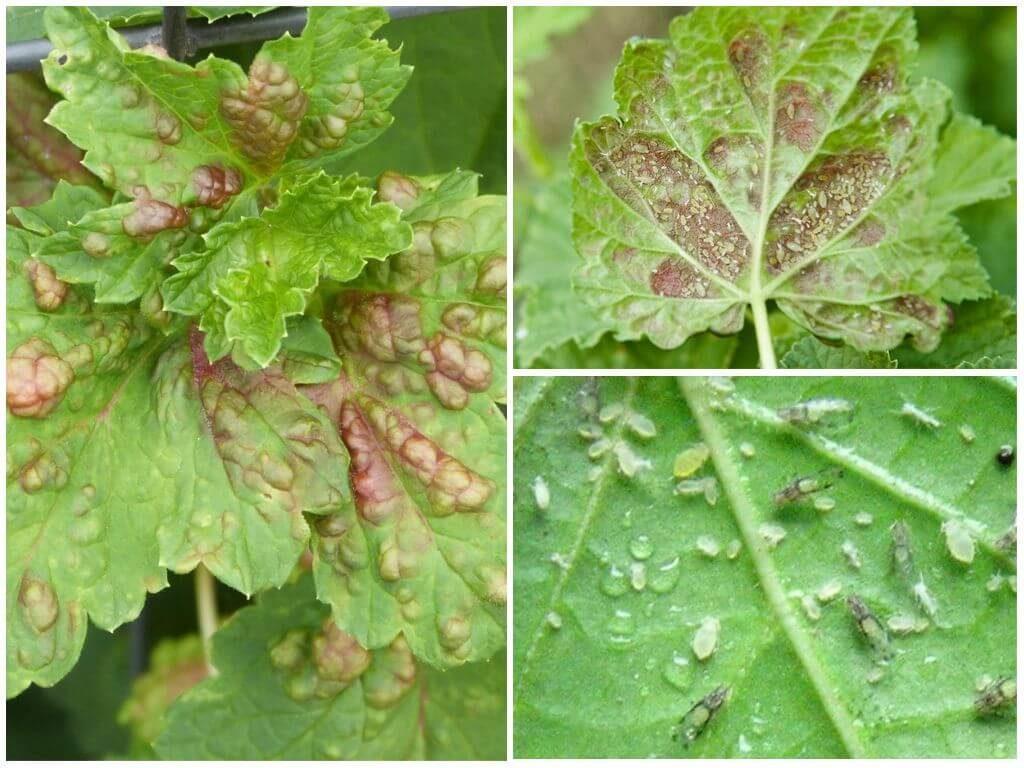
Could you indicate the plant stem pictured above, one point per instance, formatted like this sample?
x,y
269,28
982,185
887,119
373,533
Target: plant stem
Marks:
x,y
765,350
206,610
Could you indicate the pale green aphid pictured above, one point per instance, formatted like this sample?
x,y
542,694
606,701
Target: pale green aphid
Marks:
x,y
690,460
967,433
696,720
869,626
641,425
708,546
610,412
696,486
772,533
705,639
959,541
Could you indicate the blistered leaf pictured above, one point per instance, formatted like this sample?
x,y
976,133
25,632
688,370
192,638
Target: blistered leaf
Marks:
x,y
349,78
421,341
815,514
785,155
157,129
129,453
254,273
292,686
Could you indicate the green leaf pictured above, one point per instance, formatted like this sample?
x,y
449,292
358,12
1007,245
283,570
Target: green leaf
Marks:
x,y
809,352
984,335
130,453
307,353
974,163
617,569
160,130
452,114
421,339
349,78
313,693
262,270
781,155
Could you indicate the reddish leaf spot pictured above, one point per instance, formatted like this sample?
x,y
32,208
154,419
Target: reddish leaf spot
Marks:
x,y
37,379
152,216
214,185
798,118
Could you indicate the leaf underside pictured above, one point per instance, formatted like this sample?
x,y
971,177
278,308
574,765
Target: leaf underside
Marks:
x,y
614,575
785,155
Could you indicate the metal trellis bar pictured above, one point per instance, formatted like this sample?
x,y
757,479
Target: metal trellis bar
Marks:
x,y
199,35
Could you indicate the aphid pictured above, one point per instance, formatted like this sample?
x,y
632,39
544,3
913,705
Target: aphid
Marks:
x,y
772,533
869,626
922,417
821,411
829,590
902,557
824,503
697,719
967,433
747,450
811,607
852,554
959,541
997,695
591,432
541,494
629,462
610,412
641,425
1005,455
696,486
732,549
801,487
554,620
924,598
690,460
705,639
599,448
708,546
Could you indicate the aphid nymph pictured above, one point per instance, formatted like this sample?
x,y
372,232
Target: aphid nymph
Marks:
x,y
696,720
801,487
870,627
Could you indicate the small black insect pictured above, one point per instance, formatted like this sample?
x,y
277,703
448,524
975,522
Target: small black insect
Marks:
x,y
1006,455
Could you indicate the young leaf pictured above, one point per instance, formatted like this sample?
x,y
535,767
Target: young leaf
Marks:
x,y
652,592
260,271
786,155
421,339
292,686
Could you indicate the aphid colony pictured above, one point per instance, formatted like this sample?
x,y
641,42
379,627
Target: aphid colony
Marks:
x,y
623,421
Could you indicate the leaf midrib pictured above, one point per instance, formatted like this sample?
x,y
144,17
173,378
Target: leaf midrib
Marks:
x,y
694,393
